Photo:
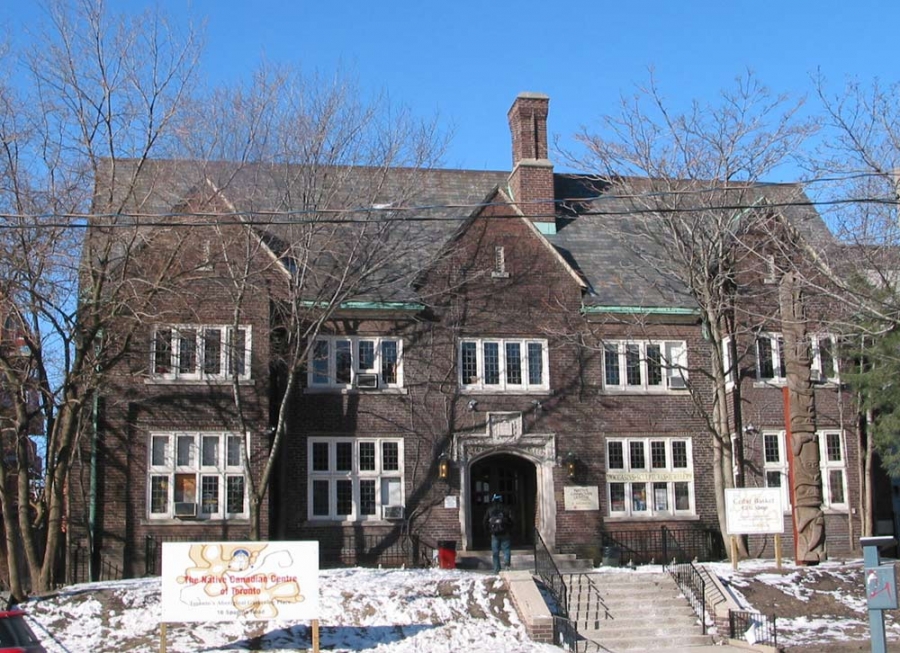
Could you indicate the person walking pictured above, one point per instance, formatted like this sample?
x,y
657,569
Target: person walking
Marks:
x,y
499,522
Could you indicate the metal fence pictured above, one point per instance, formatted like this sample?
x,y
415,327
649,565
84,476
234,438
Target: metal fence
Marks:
x,y
664,545
80,569
350,550
753,627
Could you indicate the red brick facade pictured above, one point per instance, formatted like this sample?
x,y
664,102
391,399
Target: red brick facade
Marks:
x,y
499,280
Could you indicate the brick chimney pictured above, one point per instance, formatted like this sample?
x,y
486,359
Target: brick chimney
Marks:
x,y
531,181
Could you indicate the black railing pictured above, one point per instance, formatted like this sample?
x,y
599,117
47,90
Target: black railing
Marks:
x,y
352,550
586,605
545,568
753,627
376,549
672,550
690,582
660,546
80,571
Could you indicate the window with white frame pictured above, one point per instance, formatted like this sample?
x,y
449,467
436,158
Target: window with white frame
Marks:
x,y
823,358
636,366
198,475
368,363
834,473
832,462
355,479
649,477
503,365
200,352
771,364
775,465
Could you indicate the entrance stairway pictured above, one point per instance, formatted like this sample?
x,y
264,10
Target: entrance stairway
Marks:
x,y
622,611
521,559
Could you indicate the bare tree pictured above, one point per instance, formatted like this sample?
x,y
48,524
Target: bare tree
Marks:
x,y
101,88
698,225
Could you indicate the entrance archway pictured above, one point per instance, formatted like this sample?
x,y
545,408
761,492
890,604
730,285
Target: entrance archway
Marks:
x,y
514,479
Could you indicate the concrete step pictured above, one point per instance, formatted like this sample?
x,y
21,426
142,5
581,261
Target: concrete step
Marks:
x,y
520,559
640,643
633,611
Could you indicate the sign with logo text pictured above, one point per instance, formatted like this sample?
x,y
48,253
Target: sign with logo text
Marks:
x,y
224,581
754,511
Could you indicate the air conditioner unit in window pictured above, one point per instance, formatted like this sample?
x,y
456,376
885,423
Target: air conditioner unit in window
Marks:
x,y
184,510
392,512
676,382
367,381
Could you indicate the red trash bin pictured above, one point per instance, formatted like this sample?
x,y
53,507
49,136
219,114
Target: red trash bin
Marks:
x,y
447,554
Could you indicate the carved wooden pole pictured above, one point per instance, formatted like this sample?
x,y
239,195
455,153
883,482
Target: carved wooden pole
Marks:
x,y
800,421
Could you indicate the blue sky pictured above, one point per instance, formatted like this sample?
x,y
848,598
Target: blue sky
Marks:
x,y
468,60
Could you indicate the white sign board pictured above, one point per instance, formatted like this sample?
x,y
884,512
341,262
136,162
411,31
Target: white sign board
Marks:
x,y
754,511
224,581
581,497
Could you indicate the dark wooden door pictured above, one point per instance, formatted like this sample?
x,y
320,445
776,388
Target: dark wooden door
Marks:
x,y
514,479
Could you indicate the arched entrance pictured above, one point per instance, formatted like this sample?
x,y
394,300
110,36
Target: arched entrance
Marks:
x,y
514,479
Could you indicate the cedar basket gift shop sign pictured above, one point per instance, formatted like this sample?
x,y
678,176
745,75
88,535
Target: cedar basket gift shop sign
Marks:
x,y
754,511
229,581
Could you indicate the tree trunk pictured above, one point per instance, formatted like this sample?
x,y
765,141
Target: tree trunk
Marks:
x,y
805,472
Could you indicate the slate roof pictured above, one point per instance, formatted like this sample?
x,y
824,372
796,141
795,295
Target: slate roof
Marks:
x,y
598,232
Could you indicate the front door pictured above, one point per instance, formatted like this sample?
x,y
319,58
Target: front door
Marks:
x,y
514,479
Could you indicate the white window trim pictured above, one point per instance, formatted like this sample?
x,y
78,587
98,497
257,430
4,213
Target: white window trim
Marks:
x,y
781,467
646,475
776,341
354,475
503,386
355,371
171,469
828,466
673,358
816,359
825,467
198,374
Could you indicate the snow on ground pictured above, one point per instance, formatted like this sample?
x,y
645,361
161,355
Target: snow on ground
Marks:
x,y
418,611
401,611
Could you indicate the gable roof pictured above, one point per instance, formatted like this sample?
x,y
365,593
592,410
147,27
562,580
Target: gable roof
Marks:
x,y
415,213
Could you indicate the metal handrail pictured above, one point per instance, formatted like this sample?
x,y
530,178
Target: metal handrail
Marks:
x,y
545,567
690,582
668,538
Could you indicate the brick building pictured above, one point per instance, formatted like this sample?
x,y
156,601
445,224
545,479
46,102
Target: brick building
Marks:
x,y
525,351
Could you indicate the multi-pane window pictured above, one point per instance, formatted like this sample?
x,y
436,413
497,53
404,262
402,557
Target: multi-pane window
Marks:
x,y
771,363
503,365
644,366
775,465
198,475
191,352
354,479
649,477
356,362
823,358
834,477
832,462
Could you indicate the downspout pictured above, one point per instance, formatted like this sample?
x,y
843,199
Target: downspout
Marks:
x,y
92,492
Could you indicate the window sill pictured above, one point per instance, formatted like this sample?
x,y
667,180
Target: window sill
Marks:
x,y
213,521
644,392
543,392
196,382
354,391
650,518
353,522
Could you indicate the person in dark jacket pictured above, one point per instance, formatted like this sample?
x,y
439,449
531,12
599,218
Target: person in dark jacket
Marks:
x,y
499,522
